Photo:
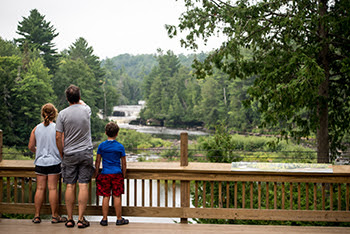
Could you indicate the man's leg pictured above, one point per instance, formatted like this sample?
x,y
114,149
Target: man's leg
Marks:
x,y
70,198
82,199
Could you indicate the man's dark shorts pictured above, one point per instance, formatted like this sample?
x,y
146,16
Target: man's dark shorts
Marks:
x,y
78,167
49,170
107,182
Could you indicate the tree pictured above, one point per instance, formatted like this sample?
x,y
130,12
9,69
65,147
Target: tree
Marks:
x,y
300,56
38,34
9,73
8,48
32,90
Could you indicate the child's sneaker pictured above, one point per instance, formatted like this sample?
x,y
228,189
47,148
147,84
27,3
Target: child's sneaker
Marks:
x,y
104,222
122,221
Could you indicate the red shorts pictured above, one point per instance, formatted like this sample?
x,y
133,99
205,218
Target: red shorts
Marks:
x,y
107,182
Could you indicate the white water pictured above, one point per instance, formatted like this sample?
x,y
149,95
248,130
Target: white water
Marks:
x,y
132,113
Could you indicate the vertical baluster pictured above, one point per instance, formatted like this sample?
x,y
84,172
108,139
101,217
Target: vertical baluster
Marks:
x,y
227,194
331,197
135,192
15,190
143,192
339,196
30,197
267,195
307,195
158,193
299,196
347,197
1,189
204,193
127,186
150,193
211,194
8,186
291,196
283,195
251,195
90,193
220,195
323,197
166,192
275,195
259,195
59,193
315,196
98,197
236,194
243,195
196,194
174,193
22,189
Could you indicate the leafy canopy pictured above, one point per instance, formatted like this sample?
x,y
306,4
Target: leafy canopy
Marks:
x,y
299,55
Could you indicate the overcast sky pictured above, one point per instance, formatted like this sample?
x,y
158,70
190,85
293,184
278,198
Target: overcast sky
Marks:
x,y
111,27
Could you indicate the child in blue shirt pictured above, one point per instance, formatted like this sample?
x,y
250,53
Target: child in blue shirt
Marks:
x,y
113,173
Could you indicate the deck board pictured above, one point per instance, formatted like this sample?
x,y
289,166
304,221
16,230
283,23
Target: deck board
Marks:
x,y
26,226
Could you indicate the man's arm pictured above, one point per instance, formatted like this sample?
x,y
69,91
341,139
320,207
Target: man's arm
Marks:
x,y
59,142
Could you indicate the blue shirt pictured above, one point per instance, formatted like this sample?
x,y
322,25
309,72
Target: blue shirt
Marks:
x,y
111,153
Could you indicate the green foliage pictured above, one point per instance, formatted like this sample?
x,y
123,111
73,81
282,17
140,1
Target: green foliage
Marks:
x,y
132,139
8,48
224,147
38,34
31,92
298,55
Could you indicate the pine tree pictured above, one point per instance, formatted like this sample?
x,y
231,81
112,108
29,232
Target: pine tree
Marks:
x,y
38,34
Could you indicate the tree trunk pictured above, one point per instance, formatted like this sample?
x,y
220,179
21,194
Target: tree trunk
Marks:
x,y
322,106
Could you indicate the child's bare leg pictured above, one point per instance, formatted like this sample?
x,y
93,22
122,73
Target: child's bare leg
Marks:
x,y
118,206
105,207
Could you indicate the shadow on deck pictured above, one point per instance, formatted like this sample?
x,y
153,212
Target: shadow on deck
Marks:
x,y
9,226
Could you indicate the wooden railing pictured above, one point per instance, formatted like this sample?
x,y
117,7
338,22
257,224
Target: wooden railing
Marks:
x,y
200,190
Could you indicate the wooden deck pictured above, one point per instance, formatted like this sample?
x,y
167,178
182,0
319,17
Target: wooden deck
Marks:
x,y
26,226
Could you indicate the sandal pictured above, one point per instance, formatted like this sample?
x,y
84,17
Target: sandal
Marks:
x,y
83,223
36,219
72,223
122,221
58,219
104,222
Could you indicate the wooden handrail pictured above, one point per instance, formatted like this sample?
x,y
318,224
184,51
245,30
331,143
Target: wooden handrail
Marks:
x,y
200,190
204,180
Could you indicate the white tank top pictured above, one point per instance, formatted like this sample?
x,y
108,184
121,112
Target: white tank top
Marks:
x,y
47,153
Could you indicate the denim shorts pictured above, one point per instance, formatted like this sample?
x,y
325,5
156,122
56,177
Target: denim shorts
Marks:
x,y
78,167
49,170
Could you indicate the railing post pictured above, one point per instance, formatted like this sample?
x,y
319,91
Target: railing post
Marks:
x,y
184,149
185,185
0,145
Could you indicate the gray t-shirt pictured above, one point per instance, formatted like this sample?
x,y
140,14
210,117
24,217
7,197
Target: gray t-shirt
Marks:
x,y
46,153
74,122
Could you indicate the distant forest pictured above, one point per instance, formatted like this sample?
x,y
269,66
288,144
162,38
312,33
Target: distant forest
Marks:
x,y
33,73
241,86
174,96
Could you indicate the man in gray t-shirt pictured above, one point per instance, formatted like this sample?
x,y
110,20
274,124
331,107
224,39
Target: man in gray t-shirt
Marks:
x,y
73,139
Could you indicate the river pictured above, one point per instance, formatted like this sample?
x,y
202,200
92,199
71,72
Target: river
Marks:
x,y
124,114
